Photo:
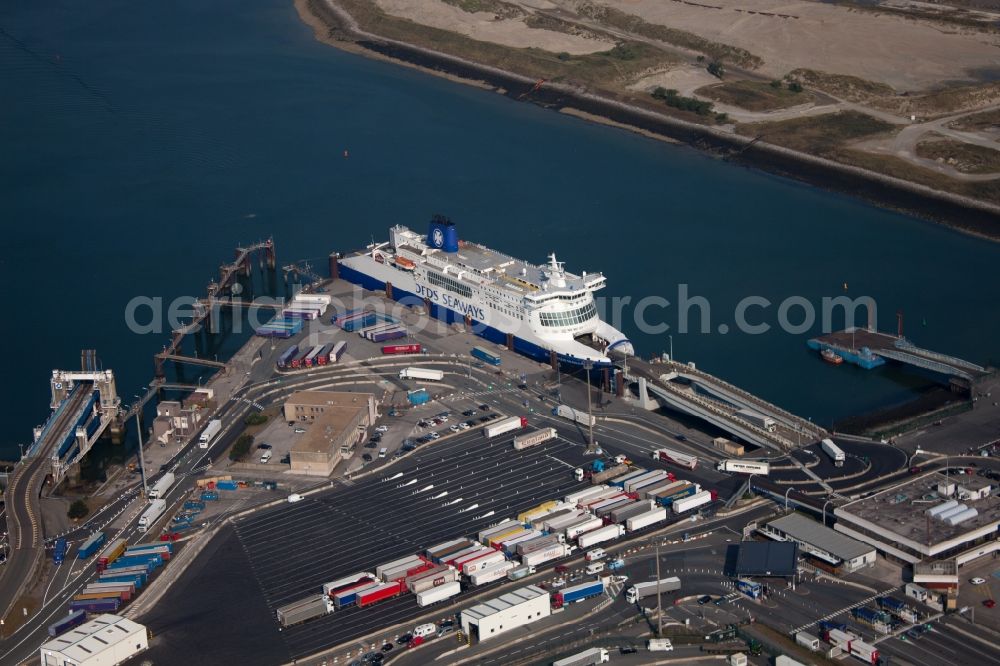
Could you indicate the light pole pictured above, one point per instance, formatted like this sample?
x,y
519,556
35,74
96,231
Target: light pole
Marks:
x,y
824,511
591,446
142,460
671,338
786,497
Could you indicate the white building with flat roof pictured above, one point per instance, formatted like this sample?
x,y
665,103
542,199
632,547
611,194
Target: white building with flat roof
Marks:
x,y
821,542
106,640
510,611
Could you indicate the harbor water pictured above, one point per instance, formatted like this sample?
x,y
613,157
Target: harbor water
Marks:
x,y
142,142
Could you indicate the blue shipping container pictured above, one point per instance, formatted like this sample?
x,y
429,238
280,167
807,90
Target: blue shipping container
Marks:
x,y
137,580
91,545
418,397
209,495
227,485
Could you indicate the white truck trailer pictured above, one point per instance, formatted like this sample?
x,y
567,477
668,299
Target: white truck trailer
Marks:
x,y
835,452
153,513
745,467
421,373
643,590
590,657
568,412
161,486
508,424
209,433
759,420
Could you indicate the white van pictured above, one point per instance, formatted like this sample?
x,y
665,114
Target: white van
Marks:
x,y
595,568
596,554
382,452
265,457
425,630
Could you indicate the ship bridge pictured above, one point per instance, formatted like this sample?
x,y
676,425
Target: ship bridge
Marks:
x,y
84,403
688,390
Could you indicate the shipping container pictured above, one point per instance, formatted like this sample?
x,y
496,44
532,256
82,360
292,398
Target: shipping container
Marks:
x,y
347,581
388,334
727,446
650,480
807,641
526,516
517,573
435,550
433,578
310,359
561,511
557,525
605,508
90,546
621,514
408,561
74,619
444,553
338,351
538,543
678,493
612,472
438,594
349,595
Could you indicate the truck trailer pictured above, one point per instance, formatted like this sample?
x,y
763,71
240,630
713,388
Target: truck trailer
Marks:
x,y
576,415
678,458
744,467
90,546
421,373
759,420
835,452
161,486
303,610
643,590
490,573
208,435
502,426
569,595
692,502
609,533
538,557
529,439
646,519
156,509
439,593
590,657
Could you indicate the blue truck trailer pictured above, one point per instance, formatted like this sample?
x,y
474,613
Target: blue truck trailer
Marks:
x,y
93,543
108,605
74,619
578,593
485,356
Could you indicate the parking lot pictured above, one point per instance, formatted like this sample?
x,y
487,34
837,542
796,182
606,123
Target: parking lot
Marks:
x,y
447,490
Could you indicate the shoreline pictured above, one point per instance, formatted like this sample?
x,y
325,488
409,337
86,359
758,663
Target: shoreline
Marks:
x,y
334,26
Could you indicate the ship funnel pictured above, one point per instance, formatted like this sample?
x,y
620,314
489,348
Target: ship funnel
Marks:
x,y
442,234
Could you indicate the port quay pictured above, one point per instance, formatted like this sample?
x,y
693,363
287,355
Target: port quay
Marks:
x,y
380,473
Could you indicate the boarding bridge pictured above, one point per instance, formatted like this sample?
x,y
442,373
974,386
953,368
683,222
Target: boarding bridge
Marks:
x,y
83,405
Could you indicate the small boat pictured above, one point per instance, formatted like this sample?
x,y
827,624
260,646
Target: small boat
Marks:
x,y
831,357
405,264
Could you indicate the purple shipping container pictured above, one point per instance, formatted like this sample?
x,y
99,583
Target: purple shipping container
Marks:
x,y
389,335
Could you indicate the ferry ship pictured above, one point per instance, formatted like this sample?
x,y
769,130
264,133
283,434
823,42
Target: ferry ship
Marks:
x,y
542,311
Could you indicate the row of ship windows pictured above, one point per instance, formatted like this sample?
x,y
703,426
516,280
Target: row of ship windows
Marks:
x,y
448,283
569,318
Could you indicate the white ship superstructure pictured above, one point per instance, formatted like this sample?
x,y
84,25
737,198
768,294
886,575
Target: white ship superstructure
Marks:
x,y
543,307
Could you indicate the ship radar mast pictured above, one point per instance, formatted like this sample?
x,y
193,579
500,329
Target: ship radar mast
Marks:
x,y
555,271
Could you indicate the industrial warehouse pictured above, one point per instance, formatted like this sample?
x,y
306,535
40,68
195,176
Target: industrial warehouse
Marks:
x,y
104,641
930,517
510,611
337,420
827,545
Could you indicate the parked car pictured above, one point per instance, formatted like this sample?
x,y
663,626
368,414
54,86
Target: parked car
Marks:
x,y
299,431
702,600
387,647
977,580
484,406
382,428
435,435
989,603
469,412
680,438
404,639
263,445
286,459
367,457
627,649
